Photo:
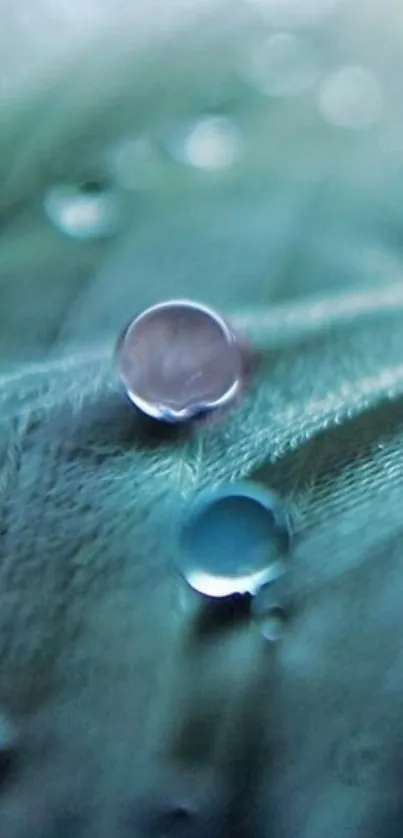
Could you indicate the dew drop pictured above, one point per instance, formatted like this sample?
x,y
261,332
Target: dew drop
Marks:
x,y
268,610
233,540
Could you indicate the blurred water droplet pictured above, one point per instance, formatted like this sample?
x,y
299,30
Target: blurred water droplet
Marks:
x,y
351,98
272,625
294,12
282,65
134,164
211,143
83,213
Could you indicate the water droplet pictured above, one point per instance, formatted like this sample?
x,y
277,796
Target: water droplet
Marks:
x,y
268,610
211,143
272,624
233,540
282,65
83,213
351,98
179,359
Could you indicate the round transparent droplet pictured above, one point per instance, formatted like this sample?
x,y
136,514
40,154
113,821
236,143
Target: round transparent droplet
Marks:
x,y
179,359
83,213
268,609
282,65
272,625
233,541
211,143
351,98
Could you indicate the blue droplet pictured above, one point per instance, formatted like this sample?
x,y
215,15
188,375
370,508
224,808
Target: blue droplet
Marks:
x,y
233,540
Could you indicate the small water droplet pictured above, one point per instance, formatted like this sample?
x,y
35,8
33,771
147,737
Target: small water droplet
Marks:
x,y
81,212
268,610
272,625
162,349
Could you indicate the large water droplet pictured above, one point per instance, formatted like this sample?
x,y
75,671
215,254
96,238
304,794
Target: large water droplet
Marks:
x,y
179,359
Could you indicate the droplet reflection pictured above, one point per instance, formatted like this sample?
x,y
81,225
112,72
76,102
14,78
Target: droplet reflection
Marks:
x,y
273,624
179,359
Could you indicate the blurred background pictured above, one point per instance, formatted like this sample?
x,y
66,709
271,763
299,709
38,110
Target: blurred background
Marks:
x,y
242,153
